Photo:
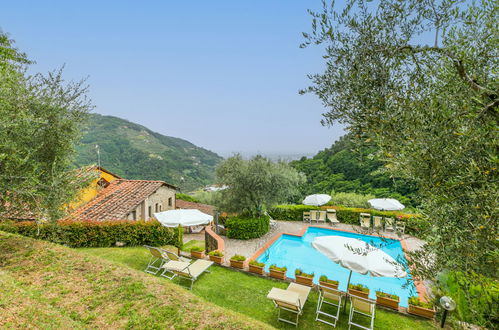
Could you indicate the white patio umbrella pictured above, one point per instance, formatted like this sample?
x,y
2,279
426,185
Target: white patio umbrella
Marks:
x,y
358,256
316,199
386,204
183,218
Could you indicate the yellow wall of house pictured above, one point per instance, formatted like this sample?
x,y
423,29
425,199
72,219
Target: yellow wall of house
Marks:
x,y
87,194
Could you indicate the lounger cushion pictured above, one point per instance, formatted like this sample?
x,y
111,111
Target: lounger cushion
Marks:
x,y
176,265
302,291
198,267
286,298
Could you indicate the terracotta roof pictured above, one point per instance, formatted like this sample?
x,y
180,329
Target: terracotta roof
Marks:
x,y
181,204
117,200
89,170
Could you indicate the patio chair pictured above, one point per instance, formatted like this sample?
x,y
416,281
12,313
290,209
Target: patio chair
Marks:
x,y
291,300
331,216
389,224
186,270
306,217
378,223
364,308
400,226
365,220
174,257
321,217
328,297
314,215
157,260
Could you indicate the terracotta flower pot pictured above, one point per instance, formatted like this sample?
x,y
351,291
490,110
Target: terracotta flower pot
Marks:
x,y
256,269
237,264
359,293
421,311
329,285
197,254
277,274
308,281
216,259
388,302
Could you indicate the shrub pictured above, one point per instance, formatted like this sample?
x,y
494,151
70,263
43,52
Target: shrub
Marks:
x,y
187,198
324,278
242,227
299,272
350,199
256,263
196,249
238,257
279,269
216,253
415,301
97,233
290,212
386,295
358,287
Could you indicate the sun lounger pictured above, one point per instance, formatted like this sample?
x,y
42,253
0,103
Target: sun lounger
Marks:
x,y
400,226
291,300
306,216
364,308
328,297
321,217
186,270
378,223
314,215
365,220
331,216
157,260
174,257
389,224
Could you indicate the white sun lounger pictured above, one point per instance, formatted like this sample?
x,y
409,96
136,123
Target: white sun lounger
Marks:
x,y
157,260
186,270
291,300
363,307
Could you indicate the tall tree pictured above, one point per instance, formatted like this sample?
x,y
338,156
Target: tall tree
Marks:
x,y
432,110
254,185
40,119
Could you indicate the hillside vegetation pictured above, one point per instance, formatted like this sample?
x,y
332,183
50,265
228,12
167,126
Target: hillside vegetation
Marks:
x,y
345,167
49,286
135,152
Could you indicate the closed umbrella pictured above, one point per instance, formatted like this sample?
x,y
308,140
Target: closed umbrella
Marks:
x,y
386,204
183,218
317,199
358,256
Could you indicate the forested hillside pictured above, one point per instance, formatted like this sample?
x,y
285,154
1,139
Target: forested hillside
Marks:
x,y
341,169
135,152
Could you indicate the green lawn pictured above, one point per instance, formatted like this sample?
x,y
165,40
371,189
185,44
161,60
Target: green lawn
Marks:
x,y
189,245
246,294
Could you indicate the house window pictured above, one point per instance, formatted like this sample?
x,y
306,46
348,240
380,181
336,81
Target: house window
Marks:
x,y
170,201
159,207
149,211
134,215
156,207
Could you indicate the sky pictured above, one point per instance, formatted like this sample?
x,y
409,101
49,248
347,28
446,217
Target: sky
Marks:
x,y
223,75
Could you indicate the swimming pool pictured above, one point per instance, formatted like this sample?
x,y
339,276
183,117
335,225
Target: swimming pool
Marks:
x,y
297,252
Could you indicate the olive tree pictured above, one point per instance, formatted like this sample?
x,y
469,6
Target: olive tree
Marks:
x,y
254,185
40,121
431,107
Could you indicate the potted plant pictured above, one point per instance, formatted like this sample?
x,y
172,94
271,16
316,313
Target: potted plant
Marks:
x,y
237,261
324,281
216,256
256,267
358,290
278,272
197,252
421,308
304,278
387,300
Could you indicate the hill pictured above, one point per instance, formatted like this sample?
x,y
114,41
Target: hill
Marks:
x,y
49,286
345,167
135,152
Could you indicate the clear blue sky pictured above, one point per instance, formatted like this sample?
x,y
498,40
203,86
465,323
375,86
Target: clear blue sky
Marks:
x,y
224,75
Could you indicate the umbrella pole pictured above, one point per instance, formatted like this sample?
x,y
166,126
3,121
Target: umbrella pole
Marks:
x,y
179,238
348,284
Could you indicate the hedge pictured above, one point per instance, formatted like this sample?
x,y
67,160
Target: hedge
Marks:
x,y
97,233
415,225
243,227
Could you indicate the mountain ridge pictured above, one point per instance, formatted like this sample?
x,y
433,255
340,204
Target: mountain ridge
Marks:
x,y
134,151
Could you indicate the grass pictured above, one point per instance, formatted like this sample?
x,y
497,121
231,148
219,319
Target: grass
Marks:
x,y
246,294
48,286
192,243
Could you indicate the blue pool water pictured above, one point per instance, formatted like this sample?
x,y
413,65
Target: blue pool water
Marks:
x,y
298,252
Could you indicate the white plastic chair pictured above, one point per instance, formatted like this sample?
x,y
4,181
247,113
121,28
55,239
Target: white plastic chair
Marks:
x,y
363,308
